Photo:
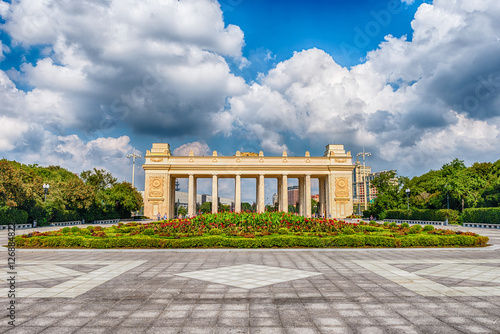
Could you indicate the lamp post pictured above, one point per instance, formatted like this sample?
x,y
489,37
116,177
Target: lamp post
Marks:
x,y
408,198
447,197
364,154
133,156
45,190
177,188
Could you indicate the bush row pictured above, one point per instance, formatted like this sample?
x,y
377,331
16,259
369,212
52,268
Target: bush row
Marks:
x,y
481,215
428,214
288,241
10,215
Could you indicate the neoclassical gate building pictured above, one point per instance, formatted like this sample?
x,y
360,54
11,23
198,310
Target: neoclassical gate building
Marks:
x,y
333,170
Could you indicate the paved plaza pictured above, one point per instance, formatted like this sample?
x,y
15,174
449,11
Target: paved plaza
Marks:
x,y
257,291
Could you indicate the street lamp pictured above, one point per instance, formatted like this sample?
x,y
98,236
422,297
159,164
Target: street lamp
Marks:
x,y
447,197
133,156
364,154
178,188
45,190
408,198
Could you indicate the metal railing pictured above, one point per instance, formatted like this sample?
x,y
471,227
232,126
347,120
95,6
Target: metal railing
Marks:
x,y
417,222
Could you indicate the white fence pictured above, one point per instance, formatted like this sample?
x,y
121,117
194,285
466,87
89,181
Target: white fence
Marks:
x,y
18,226
480,225
68,223
106,221
417,222
75,222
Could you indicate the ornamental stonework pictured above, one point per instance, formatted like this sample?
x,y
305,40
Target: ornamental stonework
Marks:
x,y
341,187
156,186
156,159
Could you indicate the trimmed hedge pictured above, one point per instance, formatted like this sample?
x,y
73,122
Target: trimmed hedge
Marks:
x,y
481,215
12,215
428,214
288,241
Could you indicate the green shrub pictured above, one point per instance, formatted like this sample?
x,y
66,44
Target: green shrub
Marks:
x,y
428,228
125,229
386,224
481,215
148,231
283,230
373,223
75,229
65,230
215,231
348,230
270,242
415,229
393,224
427,214
12,215
405,225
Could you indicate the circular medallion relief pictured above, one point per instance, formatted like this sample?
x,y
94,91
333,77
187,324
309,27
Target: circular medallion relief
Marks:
x,y
156,183
191,159
238,160
285,160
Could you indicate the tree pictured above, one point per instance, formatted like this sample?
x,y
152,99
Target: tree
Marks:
x,y
206,207
125,198
391,192
314,206
182,211
246,206
98,178
16,185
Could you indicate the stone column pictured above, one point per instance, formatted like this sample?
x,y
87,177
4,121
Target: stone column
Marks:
x,y
261,203
215,194
237,194
170,203
301,196
284,192
191,208
280,207
307,195
167,199
257,194
321,196
328,196
195,190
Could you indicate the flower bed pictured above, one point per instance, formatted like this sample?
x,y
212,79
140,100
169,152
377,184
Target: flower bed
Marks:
x,y
250,230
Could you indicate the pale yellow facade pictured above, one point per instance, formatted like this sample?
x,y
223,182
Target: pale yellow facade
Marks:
x,y
333,170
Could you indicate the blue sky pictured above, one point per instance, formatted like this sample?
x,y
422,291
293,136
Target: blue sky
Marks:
x,y
83,83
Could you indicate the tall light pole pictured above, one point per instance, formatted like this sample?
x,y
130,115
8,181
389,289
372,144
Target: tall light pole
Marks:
x,y
364,154
408,198
447,197
45,190
133,156
177,188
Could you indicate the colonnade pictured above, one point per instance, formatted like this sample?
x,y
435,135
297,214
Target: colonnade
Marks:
x,y
304,182
333,170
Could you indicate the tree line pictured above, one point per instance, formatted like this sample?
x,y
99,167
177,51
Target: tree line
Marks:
x,y
94,194
454,186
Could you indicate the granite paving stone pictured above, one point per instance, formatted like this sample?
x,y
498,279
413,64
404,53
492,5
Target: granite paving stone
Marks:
x,y
258,291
